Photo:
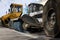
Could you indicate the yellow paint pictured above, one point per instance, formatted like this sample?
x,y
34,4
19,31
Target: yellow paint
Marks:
x,y
13,14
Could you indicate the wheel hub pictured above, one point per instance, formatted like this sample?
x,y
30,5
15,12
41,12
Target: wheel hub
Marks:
x,y
51,22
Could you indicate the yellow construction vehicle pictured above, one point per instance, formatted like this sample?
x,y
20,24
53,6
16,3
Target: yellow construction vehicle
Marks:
x,y
15,12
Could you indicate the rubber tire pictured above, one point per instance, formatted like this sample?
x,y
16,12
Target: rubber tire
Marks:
x,y
55,31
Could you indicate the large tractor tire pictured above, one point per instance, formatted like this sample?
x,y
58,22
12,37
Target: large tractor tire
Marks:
x,y
51,28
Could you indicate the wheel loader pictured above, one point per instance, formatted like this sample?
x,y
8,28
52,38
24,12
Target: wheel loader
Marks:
x,y
51,18
33,20
15,13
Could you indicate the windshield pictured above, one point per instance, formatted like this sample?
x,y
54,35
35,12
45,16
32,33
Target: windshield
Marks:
x,y
16,9
35,8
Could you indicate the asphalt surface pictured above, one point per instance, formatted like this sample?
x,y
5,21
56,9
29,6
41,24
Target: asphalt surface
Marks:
x,y
10,34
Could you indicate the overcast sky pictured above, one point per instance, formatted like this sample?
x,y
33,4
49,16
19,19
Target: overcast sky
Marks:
x,y
4,4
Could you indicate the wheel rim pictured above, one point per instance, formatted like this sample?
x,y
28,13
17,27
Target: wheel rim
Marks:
x,y
25,26
50,24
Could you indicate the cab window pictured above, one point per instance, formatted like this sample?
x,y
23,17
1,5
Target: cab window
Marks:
x,y
16,9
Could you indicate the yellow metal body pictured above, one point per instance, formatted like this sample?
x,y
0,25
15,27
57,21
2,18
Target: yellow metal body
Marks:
x,y
12,14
